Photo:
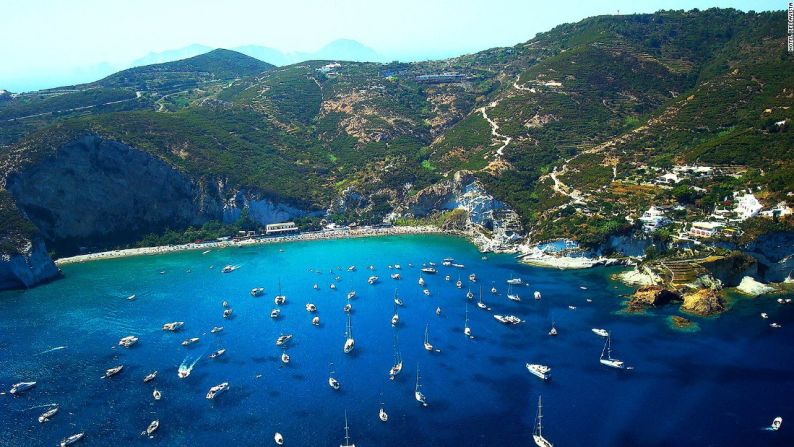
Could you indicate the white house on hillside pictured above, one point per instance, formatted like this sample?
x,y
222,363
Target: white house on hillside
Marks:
x,y
747,206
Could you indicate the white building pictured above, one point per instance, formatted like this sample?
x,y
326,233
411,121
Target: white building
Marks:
x,y
704,229
281,228
653,219
746,206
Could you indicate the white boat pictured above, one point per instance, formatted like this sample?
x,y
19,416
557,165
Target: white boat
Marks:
x,y
112,371
131,298
397,266
493,290
473,277
283,339
606,356
447,278
601,332
776,423
275,313
311,307
347,435
572,307
537,295
512,296
333,286
459,283
395,276
153,426
284,357
216,329
174,326
280,298
332,382
764,315
257,291
396,317
278,439
382,415
218,353
418,395
316,286
149,377
190,341
428,346
352,268
350,342
45,417
429,270
553,330
371,267
372,279
438,311
217,389
426,292
348,307
421,281
316,321
69,440
469,295
228,269
225,304
21,387
398,361
128,341
184,371
157,394
776,325
781,301
508,319
480,304
351,295
541,371
515,281
537,435
227,313
466,328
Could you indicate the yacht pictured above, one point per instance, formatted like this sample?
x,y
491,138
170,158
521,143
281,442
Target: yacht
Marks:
x,y
227,313
606,356
350,342
447,262
541,371
764,315
280,298
113,371
515,281
508,319
473,277
283,339
228,269
421,281
217,389
218,353
601,332
418,390
153,426
512,296
395,276
284,357
275,313
311,307
347,435
466,328
469,295
397,266
398,361
572,307
69,440
149,377
278,439
429,270
216,329
257,291
45,417
128,341
537,435
173,327
332,382
776,423
372,279
776,325
537,295
382,415
396,317
480,304
459,266
371,267
351,294
316,321
190,341
428,346
157,394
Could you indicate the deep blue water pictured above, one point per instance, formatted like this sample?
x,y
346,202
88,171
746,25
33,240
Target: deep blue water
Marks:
x,y
717,386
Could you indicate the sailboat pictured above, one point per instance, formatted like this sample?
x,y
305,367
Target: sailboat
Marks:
x,y
347,435
606,356
553,330
428,346
418,390
480,304
512,296
332,382
398,360
537,435
280,298
459,283
350,343
469,295
466,328
421,281
396,317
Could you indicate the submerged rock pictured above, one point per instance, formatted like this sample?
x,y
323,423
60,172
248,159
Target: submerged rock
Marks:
x,y
681,322
703,302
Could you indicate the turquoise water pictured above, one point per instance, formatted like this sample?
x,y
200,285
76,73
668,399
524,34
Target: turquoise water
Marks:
x,y
718,386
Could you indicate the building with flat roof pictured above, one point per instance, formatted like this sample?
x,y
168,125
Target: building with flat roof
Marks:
x,y
284,227
705,229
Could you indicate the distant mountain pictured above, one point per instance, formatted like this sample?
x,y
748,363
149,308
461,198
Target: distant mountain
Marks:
x,y
341,50
171,55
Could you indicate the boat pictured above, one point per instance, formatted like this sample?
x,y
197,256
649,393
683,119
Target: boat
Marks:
x,y
352,268
537,295
284,357
216,329
764,315
466,328
459,283
397,266
371,267
541,371
447,278
572,307
421,281
350,342
278,439
316,321
372,279
112,371
382,415
395,276
218,353
225,304
184,371
21,387
606,356
589,300
396,317
515,281
153,426
283,339
174,326
447,261
257,291
275,313
333,286
398,301
227,313
229,268
537,435
508,319
131,298
149,377
418,395
351,294
459,266
316,286
426,292
776,325
69,440
512,296
45,417
332,382
128,341
438,311
480,304
469,295
280,298
583,287
493,290
398,360
217,389
348,307
190,341
311,307
553,330
429,270
347,435
781,301
473,277
776,423
428,346
601,332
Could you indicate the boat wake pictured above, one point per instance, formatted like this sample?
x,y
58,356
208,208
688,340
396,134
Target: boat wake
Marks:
x,y
57,348
40,406
185,368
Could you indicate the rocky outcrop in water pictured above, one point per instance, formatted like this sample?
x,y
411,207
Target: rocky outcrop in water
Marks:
x,y
703,302
651,296
29,266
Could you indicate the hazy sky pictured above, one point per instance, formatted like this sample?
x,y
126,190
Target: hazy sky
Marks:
x,y
42,39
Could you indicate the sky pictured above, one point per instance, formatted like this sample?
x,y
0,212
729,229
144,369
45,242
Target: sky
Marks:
x,y
46,43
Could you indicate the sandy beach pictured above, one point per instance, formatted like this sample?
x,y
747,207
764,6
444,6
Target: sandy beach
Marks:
x,y
308,236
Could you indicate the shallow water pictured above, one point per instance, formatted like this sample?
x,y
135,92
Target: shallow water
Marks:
x,y
718,386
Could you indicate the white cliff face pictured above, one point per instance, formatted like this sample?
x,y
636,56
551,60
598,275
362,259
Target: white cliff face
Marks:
x,y
31,266
261,210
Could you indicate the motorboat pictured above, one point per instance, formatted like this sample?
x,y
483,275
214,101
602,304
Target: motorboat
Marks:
x,y
316,321
583,287
225,304
429,270
372,279
218,353
229,268
397,266
537,435
426,292
508,319
153,426
421,281
69,440
352,268
447,278
332,286
128,341
537,295
113,371
764,315
216,329
606,356
283,339
459,266
311,307
157,394
351,294
473,277
418,395
190,341
348,307
227,313
149,377
395,276
371,267
515,281
278,439
438,311
257,291
572,307
316,286
776,325
183,371
274,313
131,298
447,261
541,371
382,415
284,358
45,417
776,423
174,326
601,332
217,389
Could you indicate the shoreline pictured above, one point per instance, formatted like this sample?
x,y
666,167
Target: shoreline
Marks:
x,y
307,236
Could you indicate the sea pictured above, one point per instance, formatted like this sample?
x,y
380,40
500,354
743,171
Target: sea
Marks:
x,y
720,383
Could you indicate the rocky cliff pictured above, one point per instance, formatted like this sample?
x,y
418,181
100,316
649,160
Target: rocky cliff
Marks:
x,y
30,266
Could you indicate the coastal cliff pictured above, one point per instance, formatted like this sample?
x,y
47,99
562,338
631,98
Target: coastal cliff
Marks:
x,y
24,261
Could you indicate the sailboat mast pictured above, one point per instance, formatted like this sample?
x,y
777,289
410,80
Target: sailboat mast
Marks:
x,y
540,417
347,431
